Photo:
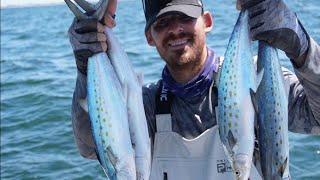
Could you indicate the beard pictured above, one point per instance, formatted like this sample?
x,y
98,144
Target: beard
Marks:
x,y
190,56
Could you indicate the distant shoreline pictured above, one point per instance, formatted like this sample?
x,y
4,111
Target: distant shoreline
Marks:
x,y
44,4
31,5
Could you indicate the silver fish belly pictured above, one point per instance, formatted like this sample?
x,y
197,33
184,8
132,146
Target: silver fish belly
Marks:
x,y
132,86
273,116
109,122
235,108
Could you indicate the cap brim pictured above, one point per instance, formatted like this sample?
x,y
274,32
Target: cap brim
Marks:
x,y
187,9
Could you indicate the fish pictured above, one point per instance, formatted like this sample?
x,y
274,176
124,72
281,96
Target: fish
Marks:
x,y
237,83
272,101
109,121
107,107
132,83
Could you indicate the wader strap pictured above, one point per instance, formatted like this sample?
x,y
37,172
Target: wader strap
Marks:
x,y
163,100
163,109
163,122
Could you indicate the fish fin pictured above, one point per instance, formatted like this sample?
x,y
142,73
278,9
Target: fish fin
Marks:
x,y
98,157
260,75
112,157
140,78
85,5
75,10
231,139
254,100
283,167
101,9
84,104
216,109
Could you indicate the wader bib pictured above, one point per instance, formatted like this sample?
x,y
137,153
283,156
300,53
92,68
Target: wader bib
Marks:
x,y
178,158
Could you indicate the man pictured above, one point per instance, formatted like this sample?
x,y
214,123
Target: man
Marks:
x,y
182,124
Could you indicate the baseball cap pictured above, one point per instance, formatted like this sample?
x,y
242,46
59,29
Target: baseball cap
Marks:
x,y
155,8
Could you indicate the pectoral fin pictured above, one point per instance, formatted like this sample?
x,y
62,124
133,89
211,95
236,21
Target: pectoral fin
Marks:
x,y
84,104
260,75
254,101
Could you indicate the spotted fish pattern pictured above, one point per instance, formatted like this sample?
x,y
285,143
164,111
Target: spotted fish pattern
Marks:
x,y
273,116
109,121
235,108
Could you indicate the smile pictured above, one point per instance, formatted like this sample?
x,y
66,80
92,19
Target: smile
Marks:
x,y
177,43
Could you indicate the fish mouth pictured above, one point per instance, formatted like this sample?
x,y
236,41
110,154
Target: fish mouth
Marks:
x,y
242,166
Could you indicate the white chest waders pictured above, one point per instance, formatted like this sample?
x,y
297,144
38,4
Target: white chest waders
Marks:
x,y
177,158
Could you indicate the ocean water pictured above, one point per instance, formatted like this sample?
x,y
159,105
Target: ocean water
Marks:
x,y
38,77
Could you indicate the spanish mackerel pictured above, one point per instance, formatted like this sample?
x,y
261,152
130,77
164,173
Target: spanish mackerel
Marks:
x,y
107,107
109,121
132,84
236,112
273,116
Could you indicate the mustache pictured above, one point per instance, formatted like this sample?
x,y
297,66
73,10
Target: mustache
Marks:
x,y
172,36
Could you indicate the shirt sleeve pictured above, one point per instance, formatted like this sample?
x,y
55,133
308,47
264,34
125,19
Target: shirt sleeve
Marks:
x,y
304,93
80,120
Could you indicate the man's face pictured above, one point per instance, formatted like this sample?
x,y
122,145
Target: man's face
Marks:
x,y
180,39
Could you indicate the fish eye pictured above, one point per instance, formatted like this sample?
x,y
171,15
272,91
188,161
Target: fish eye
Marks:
x,y
238,173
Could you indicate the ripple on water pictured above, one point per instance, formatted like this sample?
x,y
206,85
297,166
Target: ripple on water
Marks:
x,y
304,161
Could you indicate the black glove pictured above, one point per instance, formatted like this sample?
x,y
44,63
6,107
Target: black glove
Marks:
x,y
87,38
273,22
86,33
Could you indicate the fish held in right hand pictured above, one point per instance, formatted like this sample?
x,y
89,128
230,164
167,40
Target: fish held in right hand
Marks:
x,y
86,33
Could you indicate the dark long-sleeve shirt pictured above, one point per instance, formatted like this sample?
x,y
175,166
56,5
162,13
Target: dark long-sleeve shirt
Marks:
x,y
191,117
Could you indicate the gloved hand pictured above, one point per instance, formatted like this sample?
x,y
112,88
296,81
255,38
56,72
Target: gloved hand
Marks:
x,y
87,36
272,21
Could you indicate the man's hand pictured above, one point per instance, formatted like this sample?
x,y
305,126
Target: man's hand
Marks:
x,y
87,35
87,38
273,22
